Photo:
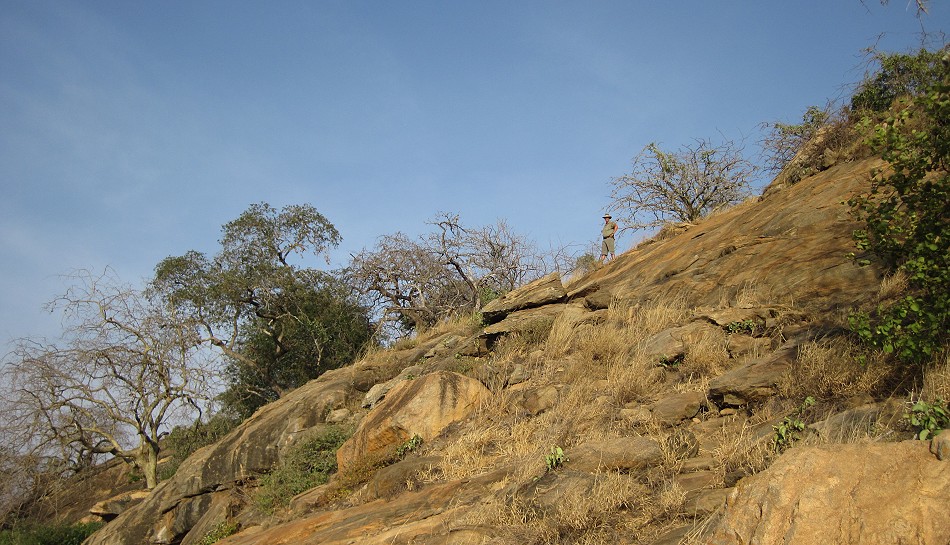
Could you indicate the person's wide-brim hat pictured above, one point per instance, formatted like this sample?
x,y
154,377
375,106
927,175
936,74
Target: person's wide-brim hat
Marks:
x,y
607,216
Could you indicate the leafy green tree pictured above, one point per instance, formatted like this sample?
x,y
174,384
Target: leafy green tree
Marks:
x,y
908,224
897,75
256,301
329,331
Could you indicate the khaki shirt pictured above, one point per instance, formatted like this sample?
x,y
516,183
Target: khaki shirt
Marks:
x,y
609,228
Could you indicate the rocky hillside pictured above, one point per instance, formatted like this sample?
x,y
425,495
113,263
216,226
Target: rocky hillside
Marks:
x,y
698,389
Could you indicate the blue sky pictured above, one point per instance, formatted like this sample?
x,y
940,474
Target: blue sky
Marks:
x,y
132,130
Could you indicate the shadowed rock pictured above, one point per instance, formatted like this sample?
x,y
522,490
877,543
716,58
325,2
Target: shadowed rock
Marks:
x,y
543,291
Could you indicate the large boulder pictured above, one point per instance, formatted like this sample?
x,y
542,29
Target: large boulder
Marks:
x,y
620,454
424,406
181,503
878,493
543,291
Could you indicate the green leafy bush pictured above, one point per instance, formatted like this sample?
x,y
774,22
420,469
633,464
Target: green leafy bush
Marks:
x,y
50,534
907,215
219,532
183,441
928,419
304,466
897,75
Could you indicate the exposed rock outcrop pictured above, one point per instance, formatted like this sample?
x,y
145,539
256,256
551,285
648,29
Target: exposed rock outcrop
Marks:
x,y
543,291
882,493
421,407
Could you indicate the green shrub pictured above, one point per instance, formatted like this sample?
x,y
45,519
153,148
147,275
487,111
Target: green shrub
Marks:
x,y
50,534
897,75
788,430
183,441
908,225
928,419
307,464
219,532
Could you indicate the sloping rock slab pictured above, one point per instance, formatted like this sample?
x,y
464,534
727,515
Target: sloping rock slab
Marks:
x,y
623,454
176,505
879,493
543,291
755,380
669,344
424,407
413,516
524,321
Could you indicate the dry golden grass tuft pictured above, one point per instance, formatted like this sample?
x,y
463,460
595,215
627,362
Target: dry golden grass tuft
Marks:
x,y
746,446
578,515
830,369
707,356
936,380
892,286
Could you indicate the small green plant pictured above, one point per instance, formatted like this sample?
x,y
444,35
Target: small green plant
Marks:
x,y
410,445
672,361
304,466
555,458
788,430
929,419
222,530
745,326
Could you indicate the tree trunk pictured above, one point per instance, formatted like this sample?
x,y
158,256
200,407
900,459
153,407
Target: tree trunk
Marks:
x,y
147,461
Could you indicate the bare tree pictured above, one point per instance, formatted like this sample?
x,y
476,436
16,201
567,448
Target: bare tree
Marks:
x,y
450,269
491,260
680,186
125,367
403,281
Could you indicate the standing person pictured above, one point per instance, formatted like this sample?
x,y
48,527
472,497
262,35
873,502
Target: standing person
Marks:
x,y
608,232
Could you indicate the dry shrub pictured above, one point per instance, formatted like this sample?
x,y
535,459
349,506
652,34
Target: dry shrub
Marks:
x,y
892,286
829,369
578,516
936,380
707,355
746,448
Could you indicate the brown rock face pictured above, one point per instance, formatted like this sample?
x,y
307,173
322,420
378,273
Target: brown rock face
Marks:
x,y
543,291
787,246
882,493
424,407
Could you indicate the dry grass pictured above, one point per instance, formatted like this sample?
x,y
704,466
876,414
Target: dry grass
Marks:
x,y
707,355
829,369
577,515
936,380
744,447
892,286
